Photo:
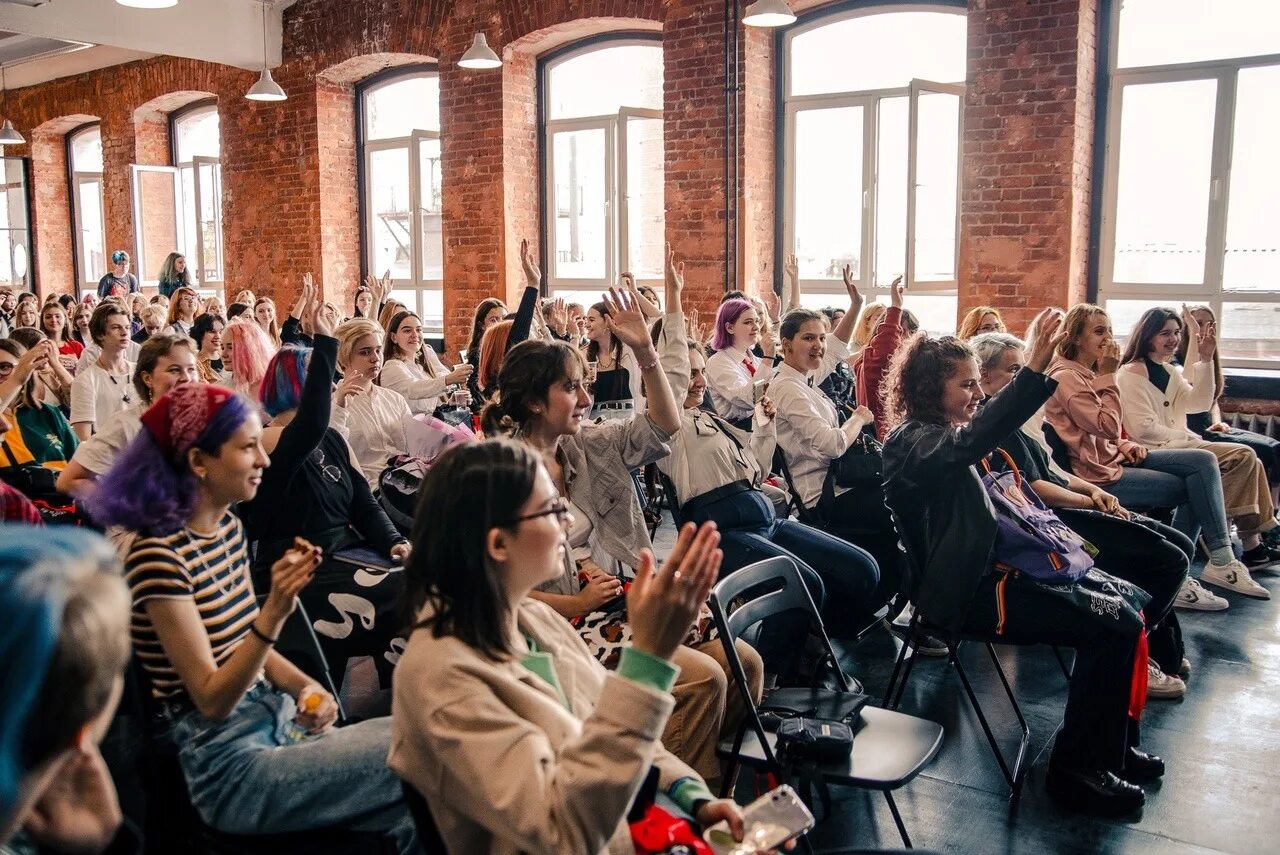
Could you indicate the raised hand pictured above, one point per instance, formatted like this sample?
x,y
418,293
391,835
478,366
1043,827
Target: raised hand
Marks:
x,y
532,274
1206,337
662,604
560,315
792,266
322,321
851,288
674,280
772,304
626,321
895,292
1047,334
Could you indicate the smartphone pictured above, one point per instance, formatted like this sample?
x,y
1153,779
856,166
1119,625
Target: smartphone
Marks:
x,y
759,388
360,556
770,821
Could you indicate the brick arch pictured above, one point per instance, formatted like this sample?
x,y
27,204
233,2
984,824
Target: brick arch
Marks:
x,y
161,106
359,68
564,33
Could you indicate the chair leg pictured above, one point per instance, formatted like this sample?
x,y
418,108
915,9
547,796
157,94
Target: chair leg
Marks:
x,y
1062,663
897,819
903,653
1019,770
1015,775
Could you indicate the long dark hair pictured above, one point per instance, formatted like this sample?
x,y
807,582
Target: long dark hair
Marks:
x,y
918,374
477,322
391,350
1147,328
593,348
470,490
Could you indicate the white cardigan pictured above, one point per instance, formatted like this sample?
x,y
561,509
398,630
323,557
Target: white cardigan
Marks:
x,y
1159,420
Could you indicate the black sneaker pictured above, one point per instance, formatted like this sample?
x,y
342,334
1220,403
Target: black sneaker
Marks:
x,y
1261,557
925,644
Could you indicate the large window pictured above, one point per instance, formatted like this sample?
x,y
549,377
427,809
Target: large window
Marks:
x,y
1192,178
15,233
400,147
873,101
604,192
84,151
197,149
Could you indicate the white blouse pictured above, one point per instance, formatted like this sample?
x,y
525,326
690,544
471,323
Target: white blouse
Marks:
x,y
423,391
732,384
374,426
809,433
704,455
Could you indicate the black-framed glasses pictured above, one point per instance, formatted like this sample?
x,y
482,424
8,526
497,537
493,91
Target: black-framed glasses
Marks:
x,y
559,508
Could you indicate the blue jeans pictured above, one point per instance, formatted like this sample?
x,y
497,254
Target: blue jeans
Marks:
x,y
1184,478
832,569
248,775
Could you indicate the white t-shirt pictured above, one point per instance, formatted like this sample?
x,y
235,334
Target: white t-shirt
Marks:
x,y
93,351
99,452
97,395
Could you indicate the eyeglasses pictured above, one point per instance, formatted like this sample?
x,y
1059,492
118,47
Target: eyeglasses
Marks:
x,y
559,508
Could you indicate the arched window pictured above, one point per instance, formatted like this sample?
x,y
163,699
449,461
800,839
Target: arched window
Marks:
x,y
603,203
84,157
1191,177
401,188
873,99
197,152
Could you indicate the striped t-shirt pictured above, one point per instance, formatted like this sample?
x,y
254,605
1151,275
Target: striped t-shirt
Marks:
x,y
212,570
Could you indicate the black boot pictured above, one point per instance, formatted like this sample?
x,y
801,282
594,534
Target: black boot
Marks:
x,y
1141,767
1097,793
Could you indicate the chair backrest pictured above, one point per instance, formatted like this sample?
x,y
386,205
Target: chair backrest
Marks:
x,y
760,591
805,515
1057,448
672,497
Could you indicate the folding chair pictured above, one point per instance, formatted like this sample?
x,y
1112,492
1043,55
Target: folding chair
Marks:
x,y
889,748
428,832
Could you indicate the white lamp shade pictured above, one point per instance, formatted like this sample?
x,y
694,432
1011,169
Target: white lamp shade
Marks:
x,y
480,55
148,4
9,134
768,13
266,89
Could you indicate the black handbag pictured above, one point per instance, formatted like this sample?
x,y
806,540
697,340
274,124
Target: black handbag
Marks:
x,y
31,479
813,740
861,464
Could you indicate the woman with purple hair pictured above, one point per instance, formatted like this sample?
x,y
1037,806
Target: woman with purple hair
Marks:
x,y
734,370
253,733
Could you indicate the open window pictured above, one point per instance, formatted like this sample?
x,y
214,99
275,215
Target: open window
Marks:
x,y
197,147
84,155
15,228
603,187
157,197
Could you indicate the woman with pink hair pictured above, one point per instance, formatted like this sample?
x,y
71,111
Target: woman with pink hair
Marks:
x,y
246,352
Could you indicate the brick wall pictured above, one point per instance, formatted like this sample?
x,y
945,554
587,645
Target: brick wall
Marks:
x,y
289,194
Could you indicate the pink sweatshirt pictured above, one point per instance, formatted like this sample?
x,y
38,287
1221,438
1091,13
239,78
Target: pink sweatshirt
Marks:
x,y
1085,413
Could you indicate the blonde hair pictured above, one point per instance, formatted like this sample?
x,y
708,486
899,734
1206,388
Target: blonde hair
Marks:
x,y
1074,323
390,309
351,332
973,319
155,311
1219,382
866,324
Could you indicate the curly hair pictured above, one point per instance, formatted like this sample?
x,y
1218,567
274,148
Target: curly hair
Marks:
x,y
912,390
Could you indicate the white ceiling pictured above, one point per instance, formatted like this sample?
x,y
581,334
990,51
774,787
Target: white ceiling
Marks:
x,y
223,31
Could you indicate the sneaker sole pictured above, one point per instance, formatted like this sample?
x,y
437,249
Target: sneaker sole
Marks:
x,y
1201,606
1165,695
900,633
1224,586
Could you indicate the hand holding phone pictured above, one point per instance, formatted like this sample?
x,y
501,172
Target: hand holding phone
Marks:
x,y
770,821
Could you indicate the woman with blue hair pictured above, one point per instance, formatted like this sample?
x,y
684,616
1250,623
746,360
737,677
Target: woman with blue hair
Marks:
x,y
63,647
252,732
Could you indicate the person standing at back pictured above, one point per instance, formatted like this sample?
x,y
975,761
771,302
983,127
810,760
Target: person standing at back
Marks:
x,y
118,281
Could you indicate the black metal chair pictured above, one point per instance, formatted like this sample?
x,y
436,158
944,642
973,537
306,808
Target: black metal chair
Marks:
x,y
889,748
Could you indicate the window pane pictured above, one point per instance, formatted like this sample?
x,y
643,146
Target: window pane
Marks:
x,y
936,313
579,204
157,221
878,51
828,188
1250,331
1162,204
389,229
86,151
1253,244
646,198
188,243
1161,32
432,316
429,202
14,236
1125,313
210,225
399,108
92,238
937,159
891,191
603,81
198,135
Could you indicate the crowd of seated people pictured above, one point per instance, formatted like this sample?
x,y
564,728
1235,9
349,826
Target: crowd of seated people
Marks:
x,y
237,464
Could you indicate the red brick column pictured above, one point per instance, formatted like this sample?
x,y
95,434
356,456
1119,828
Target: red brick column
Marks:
x,y
52,224
1027,155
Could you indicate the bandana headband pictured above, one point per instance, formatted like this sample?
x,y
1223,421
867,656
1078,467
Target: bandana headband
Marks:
x,y
177,420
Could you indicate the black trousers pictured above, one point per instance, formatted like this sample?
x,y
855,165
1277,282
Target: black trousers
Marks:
x,y
1152,556
1096,728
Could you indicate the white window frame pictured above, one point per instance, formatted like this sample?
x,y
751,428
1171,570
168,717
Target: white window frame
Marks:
x,y
869,100
417,284
617,209
150,278
210,287
1210,291
28,281
88,281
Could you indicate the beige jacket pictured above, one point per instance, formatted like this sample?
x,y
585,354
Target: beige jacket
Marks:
x,y
505,767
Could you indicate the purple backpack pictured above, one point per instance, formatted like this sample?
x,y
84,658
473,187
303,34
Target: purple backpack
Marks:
x,y
1029,537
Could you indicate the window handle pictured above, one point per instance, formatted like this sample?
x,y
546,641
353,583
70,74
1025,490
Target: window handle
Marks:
x,y
1215,189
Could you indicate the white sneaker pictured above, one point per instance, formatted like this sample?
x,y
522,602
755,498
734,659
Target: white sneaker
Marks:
x,y
1162,685
1192,595
1234,576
